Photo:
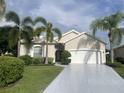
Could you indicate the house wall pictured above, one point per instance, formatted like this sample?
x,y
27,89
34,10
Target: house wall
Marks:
x,y
22,50
51,50
86,42
72,41
119,52
68,37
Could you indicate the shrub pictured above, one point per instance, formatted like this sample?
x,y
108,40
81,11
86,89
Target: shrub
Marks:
x,y
11,55
11,70
27,59
65,57
108,58
120,59
38,60
50,60
115,64
66,62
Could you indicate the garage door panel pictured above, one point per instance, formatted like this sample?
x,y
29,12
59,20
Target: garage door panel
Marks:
x,y
85,56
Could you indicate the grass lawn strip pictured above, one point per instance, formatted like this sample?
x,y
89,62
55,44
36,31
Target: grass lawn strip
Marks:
x,y
35,79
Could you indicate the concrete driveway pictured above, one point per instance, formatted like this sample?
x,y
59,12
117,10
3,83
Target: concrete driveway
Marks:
x,y
79,78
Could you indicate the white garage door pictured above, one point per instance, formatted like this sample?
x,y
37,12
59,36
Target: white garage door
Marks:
x,y
86,56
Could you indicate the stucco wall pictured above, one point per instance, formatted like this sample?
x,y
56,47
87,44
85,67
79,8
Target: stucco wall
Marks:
x,y
84,41
81,41
119,52
68,37
22,50
51,50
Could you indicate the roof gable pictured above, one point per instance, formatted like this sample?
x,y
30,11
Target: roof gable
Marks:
x,y
71,31
68,36
84,33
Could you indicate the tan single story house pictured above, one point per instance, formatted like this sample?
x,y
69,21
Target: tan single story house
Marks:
x,y
83,47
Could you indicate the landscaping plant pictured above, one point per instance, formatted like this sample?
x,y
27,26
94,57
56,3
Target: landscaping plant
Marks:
x,y
11,70
110,24
27,59
65,57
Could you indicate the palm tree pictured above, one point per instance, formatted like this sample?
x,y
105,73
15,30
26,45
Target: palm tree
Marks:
x,y
47,27
22,31
2,8
110,24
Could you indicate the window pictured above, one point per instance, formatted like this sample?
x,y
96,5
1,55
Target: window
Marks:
x,y
37,51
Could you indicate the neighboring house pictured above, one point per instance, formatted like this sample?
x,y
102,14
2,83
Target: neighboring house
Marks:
x,y
83,47
119,52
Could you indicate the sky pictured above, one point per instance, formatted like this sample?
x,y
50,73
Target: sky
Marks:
x,y
67,14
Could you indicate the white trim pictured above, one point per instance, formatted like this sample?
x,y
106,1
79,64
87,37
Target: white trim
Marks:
x,y
66,33
75,37
37,46
71,31
85,49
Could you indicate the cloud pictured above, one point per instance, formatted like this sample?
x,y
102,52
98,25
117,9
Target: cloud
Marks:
x,y
66,14
3,23
59,12
69,14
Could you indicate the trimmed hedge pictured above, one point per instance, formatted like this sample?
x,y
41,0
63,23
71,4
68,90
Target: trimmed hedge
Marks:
x,y
11,70
65,57
38,60
115,64
50,60
27,59
41,60
35,60
120,59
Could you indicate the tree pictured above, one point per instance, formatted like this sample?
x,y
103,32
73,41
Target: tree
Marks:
x,y
2,8
110,24
47,27
21,31
4,33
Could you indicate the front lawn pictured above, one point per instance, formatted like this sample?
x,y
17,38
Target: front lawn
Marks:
x,y
35,80
120,71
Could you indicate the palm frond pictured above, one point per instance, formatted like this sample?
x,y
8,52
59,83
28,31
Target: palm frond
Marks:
x,y
13,37
41,20
106,24
27,38
27,21
48,31
58,32
116,36
13,16
38,31
29,30
49,27
96,25
116,18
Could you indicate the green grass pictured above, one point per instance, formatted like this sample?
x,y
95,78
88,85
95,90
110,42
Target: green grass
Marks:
x,y
35,80
120,70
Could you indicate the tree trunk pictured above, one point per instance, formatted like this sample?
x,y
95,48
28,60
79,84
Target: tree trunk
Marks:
x,y
46,61
111,52
19,42
18,48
